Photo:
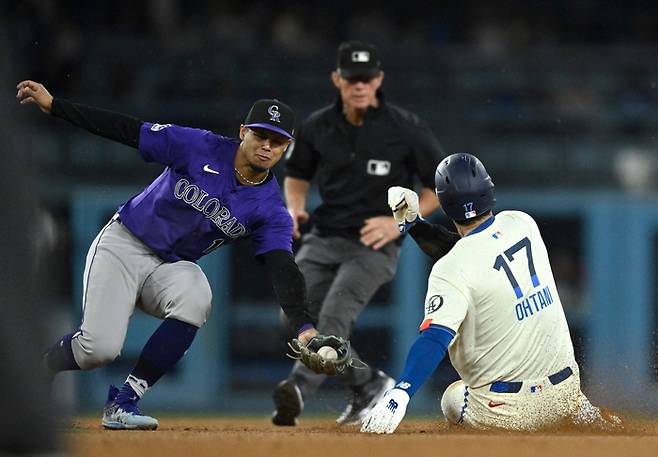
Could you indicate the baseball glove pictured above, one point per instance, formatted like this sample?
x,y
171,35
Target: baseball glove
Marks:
x,y
308,354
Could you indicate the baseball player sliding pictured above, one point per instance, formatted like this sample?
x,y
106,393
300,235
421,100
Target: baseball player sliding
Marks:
x,y
493,304
214,190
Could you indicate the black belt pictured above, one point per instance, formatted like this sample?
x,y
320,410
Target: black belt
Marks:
x,y
512,387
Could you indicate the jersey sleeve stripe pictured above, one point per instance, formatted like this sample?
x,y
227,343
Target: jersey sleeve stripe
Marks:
x,y
444,328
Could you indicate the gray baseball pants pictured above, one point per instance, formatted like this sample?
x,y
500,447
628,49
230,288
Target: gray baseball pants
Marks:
x,y
121,273
342,275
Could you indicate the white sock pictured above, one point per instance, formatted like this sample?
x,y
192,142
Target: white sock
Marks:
x,y
138,385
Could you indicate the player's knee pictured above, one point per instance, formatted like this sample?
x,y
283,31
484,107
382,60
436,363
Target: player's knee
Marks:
x,y
453,402
196,306
92,353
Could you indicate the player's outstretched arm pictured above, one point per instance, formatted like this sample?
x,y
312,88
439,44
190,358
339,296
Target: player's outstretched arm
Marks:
x,y
33,92
108,124
424,357
433,239
289,286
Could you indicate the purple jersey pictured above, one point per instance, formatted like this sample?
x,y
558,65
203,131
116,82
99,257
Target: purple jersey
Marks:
x,y
197,205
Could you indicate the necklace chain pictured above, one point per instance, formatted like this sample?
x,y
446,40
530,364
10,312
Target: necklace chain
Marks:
x,y
249,181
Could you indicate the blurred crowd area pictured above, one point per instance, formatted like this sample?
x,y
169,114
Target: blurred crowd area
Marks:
x,y
551,95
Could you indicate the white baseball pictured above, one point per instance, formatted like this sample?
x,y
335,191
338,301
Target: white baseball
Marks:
x,y
328,353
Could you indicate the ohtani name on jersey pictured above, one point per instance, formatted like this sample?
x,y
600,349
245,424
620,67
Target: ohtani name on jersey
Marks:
x,y
211,208
534,303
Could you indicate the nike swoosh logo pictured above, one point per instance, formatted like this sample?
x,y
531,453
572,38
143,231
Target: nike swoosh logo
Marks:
x,y
207,168
493,404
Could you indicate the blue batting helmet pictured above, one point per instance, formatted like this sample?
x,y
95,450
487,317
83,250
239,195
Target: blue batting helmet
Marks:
x,y
464,187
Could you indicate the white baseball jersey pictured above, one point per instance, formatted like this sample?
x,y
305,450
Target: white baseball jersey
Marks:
x,y
496,290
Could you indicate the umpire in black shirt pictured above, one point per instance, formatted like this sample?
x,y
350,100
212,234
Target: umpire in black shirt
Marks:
x,y
356,148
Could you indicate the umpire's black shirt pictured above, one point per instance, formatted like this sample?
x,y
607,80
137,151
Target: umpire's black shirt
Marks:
x,y
355,166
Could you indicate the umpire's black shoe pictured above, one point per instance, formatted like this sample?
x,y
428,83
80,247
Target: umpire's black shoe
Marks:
x,y
365,397
289,403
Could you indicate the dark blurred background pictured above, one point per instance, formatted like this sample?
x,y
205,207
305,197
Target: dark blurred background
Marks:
x,y
558,98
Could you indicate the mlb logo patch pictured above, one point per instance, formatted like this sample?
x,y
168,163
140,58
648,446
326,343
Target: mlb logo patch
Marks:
x,y
158,127
378,167
536,389
468,210
360,56
497,235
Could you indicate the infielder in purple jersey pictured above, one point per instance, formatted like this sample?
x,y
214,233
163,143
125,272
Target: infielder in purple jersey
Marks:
x,y
213,191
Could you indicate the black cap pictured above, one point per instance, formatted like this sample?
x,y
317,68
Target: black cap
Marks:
x,y
273,115
357,59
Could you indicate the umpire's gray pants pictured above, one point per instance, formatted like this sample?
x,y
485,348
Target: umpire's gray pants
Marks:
x,y
342,275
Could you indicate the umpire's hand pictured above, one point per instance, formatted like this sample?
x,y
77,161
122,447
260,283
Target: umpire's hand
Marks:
x,y
299,217
379,231
32,92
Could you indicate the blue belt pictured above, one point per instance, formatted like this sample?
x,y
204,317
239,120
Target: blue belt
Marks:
x,y
512,387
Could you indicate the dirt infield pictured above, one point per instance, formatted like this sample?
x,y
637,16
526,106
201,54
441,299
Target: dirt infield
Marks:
x,y
321,437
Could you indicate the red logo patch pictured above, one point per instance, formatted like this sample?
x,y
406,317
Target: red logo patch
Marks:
x,y
425,325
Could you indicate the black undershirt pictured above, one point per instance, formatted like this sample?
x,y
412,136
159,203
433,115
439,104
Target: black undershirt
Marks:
x,y
108,124
433,239
289,286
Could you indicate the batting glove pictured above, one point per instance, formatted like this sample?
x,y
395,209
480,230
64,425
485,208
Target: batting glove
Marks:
x,y
404,204
387,413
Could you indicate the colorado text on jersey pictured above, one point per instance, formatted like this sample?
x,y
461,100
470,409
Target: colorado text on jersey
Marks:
x,y
211,208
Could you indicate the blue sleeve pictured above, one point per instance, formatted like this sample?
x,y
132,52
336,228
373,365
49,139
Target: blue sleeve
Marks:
x,y
170,145
424,357
275,233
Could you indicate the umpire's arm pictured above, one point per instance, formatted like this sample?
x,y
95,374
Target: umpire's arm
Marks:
x,y
114,126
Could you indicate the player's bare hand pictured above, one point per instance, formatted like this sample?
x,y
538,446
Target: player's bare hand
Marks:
x,y
33,92
299,217
378,231
307,335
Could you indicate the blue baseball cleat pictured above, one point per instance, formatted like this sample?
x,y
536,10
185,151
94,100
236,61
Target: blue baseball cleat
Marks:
x,y
123,413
